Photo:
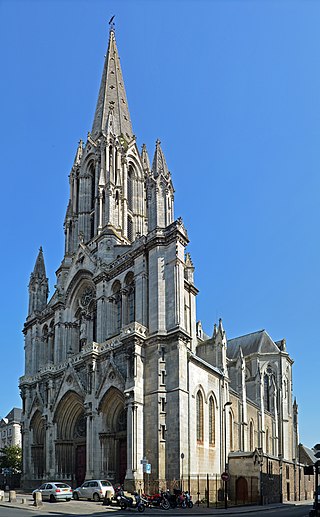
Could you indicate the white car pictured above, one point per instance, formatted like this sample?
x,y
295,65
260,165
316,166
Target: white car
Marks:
x,y
54,491
94,489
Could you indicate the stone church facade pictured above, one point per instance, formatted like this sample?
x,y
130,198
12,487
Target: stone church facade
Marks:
x,y
117,368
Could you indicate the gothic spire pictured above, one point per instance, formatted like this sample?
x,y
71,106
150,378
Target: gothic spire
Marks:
x,y
159,164
39,268
112,96
38,286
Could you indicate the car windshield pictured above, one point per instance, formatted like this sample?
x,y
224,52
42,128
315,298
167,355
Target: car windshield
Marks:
x,y
105,483
62,485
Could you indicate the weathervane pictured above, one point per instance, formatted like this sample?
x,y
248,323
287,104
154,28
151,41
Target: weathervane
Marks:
x,y
112,24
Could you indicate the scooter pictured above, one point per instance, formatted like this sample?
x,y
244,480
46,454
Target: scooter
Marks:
x,y
127,502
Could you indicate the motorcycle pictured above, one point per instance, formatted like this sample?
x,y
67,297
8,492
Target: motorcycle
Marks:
x,y
160,499
127,502
183,499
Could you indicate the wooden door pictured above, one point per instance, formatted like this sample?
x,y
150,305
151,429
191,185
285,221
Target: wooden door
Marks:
x,y
241,490
80,470
122,459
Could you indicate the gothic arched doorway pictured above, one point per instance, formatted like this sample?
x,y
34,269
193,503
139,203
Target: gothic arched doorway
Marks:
x,y
71,438
242,490
37,446
113,438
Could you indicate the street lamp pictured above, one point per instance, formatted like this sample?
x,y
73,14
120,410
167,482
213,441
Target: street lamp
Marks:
x,y
225,455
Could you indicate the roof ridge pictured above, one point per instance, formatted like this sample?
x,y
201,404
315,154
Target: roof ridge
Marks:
x,y
249,334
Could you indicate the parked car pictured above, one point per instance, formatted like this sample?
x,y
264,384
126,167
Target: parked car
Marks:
x,y
54,491
94,489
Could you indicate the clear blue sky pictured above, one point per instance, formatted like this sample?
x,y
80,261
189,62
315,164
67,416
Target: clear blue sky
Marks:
x,y
232,89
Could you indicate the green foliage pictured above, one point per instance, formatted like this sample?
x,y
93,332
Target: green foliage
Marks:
x,y
11,458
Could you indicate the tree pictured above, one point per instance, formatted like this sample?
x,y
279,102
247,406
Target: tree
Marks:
x,y
11,458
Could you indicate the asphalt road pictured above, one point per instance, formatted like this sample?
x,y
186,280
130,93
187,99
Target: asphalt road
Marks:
x,y
91,510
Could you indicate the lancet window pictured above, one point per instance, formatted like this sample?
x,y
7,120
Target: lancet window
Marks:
x,y
117,306
251,436
231,431
212,422
199,417
130,298
130,188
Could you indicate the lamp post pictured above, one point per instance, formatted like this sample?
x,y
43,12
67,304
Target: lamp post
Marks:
x,y
225,454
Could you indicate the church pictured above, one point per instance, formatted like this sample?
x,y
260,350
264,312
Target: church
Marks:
x,y
119,373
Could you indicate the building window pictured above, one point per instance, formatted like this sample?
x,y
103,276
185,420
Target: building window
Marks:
x,y
130,188
163,432
251,436
117,300
199,417
92,177
130,298
231,437
130,228
212,422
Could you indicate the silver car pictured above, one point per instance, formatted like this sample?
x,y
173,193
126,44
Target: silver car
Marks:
x,y
54,491
94,489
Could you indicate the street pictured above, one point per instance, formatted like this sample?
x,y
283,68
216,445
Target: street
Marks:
x,y
90,509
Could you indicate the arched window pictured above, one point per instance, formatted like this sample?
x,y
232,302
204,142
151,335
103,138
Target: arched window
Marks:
x,y
212,422
117,300
91,226
231,434
93,186
51,341
130,188
130,298
199,417
251,436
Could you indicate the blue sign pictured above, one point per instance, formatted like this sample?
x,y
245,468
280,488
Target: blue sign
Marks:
x,y
148,468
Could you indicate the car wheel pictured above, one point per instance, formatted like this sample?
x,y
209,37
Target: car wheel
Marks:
x,y
96,497
141,507
76,496
123,505
52,499
67,500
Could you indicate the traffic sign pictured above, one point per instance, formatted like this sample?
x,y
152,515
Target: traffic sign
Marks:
x,y
148,468
225,476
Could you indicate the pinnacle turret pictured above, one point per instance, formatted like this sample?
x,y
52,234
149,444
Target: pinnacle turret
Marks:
x,y
159,164
112,111
38,286
39,268
145,159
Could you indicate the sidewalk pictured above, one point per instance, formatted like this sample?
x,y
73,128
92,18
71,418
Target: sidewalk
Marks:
x,y
90,508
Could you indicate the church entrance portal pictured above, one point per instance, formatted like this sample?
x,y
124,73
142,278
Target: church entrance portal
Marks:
x,y
113,438
70,445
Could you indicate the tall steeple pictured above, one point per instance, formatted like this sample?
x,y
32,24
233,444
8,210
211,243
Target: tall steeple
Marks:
x,y
112,99
38,286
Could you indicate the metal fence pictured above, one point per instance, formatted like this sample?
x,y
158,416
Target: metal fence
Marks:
x,y
209,489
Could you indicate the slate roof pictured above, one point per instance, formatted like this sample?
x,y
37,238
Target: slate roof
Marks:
x,y
306,455
256,342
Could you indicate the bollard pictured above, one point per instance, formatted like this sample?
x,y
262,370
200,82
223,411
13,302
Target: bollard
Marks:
x,y
12,496
37,499
1,495
24,500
